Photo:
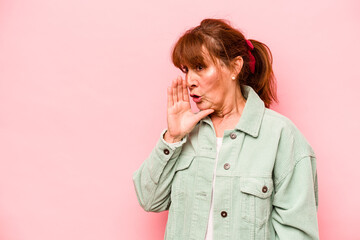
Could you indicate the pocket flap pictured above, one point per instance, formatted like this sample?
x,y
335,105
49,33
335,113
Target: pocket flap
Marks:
x,y
259,187
183,162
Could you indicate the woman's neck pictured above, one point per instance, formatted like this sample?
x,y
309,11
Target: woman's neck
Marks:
x,y
232,105
229,114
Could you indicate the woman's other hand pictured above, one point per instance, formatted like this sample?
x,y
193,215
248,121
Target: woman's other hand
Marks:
x,y
181,120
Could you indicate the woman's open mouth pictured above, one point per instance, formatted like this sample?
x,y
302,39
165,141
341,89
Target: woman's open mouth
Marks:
x,y
196,98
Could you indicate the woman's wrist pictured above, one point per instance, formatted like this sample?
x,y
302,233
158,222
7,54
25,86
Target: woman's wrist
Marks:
x,y
170,139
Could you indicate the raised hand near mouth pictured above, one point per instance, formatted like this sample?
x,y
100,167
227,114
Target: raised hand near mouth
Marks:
x,y
180,119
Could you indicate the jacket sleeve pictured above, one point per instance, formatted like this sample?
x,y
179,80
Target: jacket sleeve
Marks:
x,y
154,177
295,202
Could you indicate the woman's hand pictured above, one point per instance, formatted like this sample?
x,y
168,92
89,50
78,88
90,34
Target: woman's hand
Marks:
x,y
181,120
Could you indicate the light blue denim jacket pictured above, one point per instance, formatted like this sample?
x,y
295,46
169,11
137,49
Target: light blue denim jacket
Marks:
x,y
266,182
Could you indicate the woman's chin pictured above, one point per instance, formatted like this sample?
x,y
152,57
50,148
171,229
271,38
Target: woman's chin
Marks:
x,y
201,106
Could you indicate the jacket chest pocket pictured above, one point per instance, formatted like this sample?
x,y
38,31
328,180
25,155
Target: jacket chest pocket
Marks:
x,y
256,204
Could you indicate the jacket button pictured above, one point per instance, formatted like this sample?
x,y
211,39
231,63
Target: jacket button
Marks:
x,y
224,214
226,166
233,135
264,189
166,151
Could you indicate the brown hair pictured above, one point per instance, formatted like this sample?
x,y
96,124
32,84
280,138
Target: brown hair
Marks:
x,y
226,43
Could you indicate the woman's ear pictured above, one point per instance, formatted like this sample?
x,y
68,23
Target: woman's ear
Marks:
x,y
237,65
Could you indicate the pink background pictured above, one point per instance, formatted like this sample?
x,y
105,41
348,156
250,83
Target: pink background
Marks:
x,y
83,102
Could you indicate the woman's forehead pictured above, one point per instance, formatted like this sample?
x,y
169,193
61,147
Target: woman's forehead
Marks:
x,y
202,56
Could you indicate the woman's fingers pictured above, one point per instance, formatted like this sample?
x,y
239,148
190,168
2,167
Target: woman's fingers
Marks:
x,y
174,90
185,92
170,96
179,89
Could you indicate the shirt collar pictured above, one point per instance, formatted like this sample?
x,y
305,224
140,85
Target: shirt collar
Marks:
x,y
252,115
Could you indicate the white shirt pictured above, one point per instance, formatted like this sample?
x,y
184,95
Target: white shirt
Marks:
x,y
209,231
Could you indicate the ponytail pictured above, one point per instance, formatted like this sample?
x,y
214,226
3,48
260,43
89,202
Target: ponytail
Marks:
x,y
263,79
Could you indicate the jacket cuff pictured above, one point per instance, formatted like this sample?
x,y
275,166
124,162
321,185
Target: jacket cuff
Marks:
x,y
172,146
161,156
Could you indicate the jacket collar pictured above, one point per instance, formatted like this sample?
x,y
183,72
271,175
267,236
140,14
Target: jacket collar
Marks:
x,y
252,115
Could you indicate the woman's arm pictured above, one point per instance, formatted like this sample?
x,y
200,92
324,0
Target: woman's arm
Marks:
x,y
296,201
295,197
154,177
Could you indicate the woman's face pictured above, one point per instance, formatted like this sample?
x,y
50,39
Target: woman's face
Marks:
x,y
208,86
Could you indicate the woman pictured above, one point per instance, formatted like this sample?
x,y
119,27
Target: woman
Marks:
x,y
236,169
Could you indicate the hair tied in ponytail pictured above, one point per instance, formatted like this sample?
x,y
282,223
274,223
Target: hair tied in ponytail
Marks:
x,y
252,58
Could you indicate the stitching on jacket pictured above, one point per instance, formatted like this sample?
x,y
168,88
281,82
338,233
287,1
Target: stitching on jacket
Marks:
x,y
277,182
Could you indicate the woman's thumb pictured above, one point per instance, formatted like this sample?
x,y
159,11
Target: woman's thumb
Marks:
x,y
200,115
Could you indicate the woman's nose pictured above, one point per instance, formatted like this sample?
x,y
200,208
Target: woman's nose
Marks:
x,y
191,80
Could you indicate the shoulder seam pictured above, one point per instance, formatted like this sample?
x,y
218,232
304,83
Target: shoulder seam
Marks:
x,y
283,176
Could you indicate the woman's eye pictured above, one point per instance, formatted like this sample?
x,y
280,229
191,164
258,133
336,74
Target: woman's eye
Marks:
x,y
184,69
199,68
